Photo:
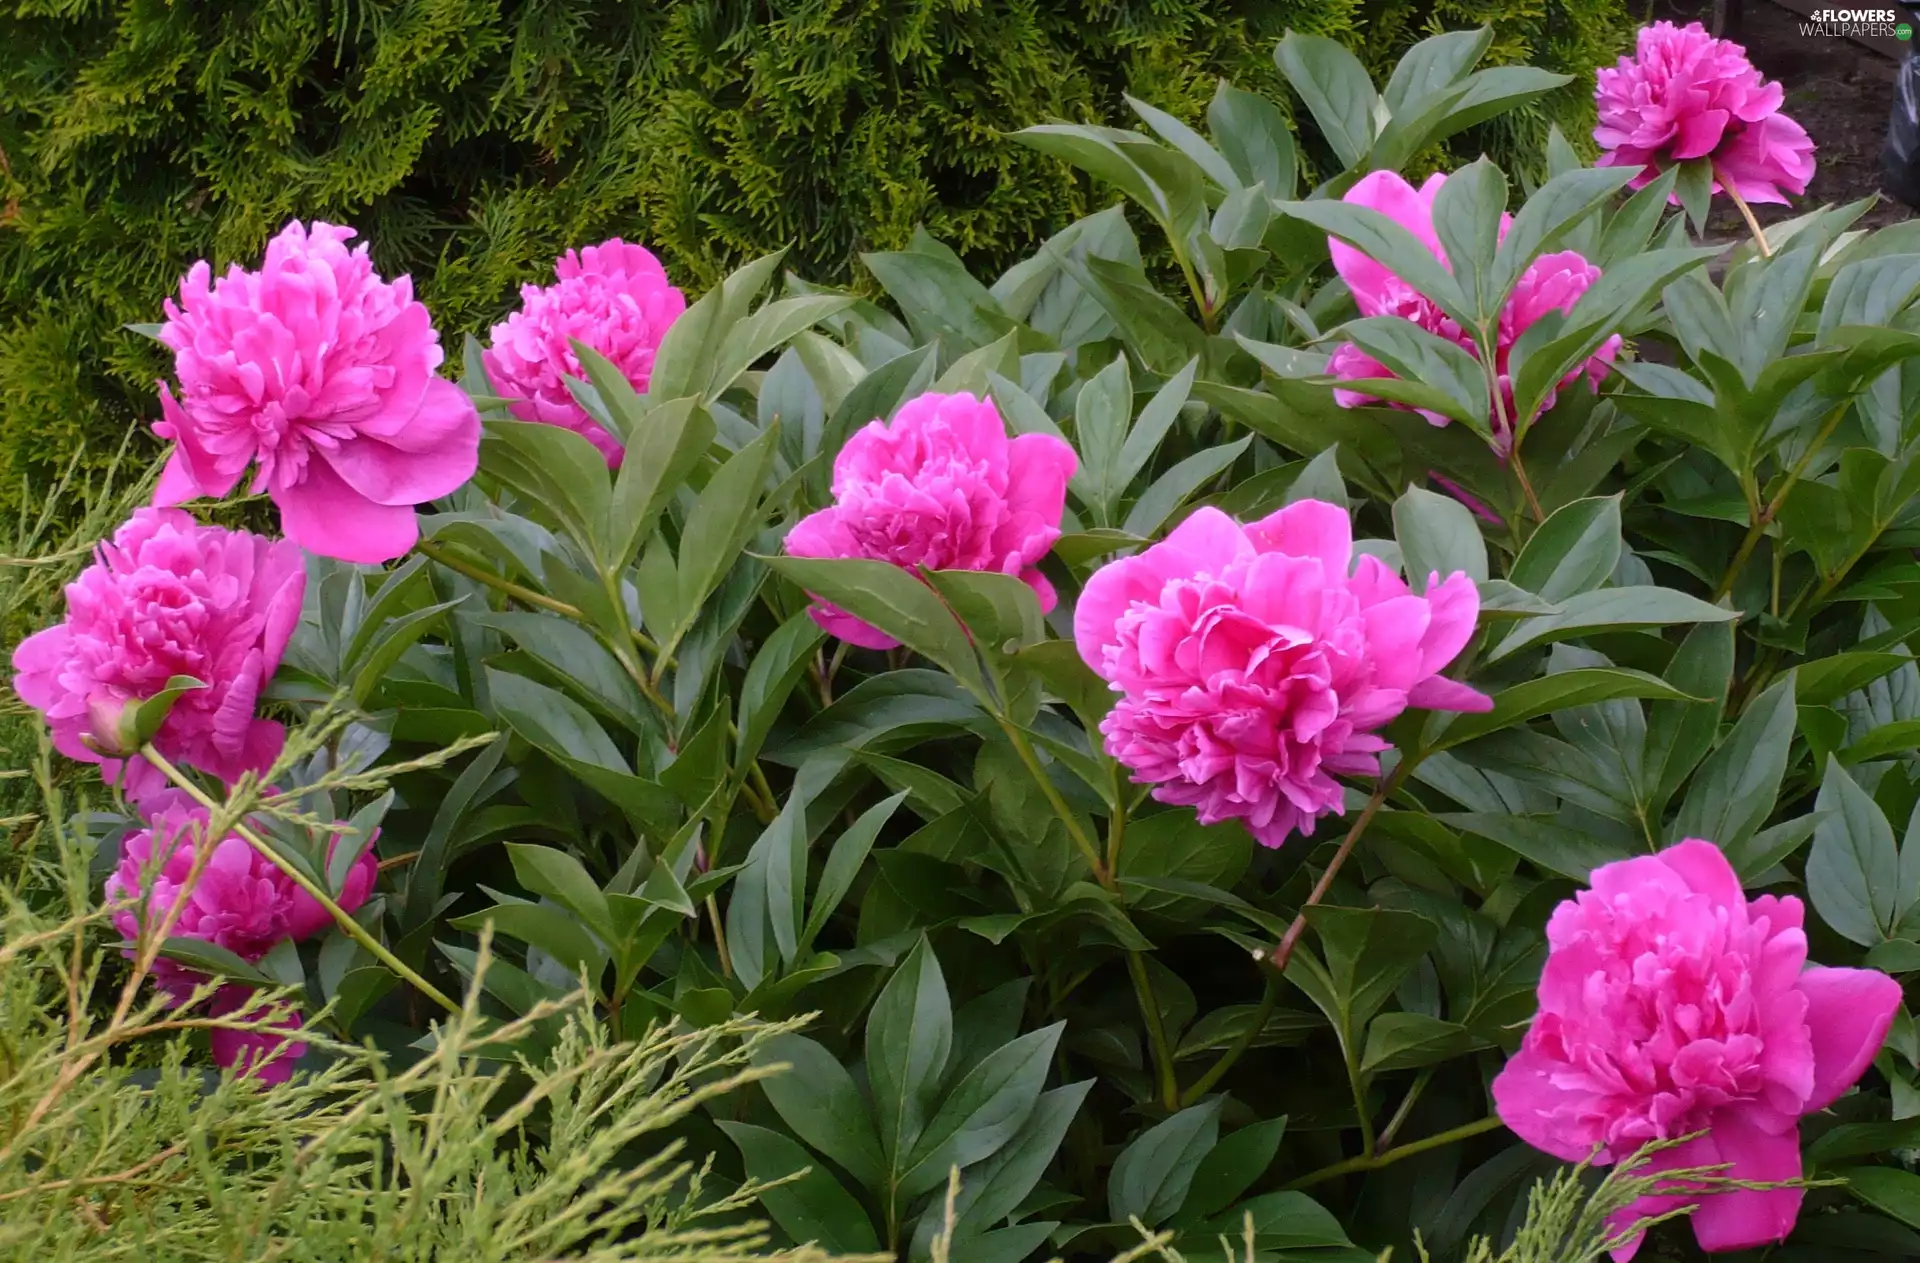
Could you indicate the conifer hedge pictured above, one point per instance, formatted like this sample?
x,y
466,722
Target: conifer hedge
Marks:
x,y
473,139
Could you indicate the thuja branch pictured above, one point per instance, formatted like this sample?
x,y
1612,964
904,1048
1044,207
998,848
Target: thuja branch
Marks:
x,y
352,928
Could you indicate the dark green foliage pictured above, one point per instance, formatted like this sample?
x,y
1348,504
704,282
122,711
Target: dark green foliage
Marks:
x,y
472,140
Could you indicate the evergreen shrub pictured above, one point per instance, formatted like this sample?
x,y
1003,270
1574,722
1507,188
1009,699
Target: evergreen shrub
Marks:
x,y
472,140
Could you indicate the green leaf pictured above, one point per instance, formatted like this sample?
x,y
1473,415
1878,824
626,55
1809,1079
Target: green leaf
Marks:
x,y
999,1185
983,1111
1252,135
1610,609
1679,733
1001,611
1231,1168
1561,202
213,960
557,470
843,863
667,447
1825,681
571,652
898,604
812,1208
1404,1041
1562,690
1573,853
1736,788
1385,241
818,1098
776,669
1067,676
142,719
1335,88
1888,1189
561,878
940,299
1575,550
1188,142
1437,536
1429,371
1101,414
720,524
556,725
1152,1176
1366,951
1466,218
773,326
909,1033
557,933
1168,492
1434,65
1853,870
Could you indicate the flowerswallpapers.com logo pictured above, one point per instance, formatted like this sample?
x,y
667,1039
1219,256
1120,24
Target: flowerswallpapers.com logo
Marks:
x,y
1856,24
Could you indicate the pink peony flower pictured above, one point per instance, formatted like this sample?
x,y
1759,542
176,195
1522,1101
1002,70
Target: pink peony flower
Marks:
x,y
241,902
1685,95
170,597
1671,1004
943,488
322,374
1252,667
612,297
267,1058
1552,282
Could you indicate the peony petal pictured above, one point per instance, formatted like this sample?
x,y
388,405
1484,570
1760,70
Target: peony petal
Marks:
x,y
1203,544
1308,528
1743,1219
837,622
1704,867
1529,1103
324,515
433,456
1437,692
1392,196
1700,134
1849,1012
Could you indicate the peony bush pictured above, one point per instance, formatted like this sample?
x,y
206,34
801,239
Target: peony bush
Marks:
x,y
1277,766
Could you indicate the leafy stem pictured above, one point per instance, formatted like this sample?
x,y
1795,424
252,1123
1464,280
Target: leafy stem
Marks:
x,y
1387,1157
1245,1040
1766,513
1283,951
1156,1031
1746,213
1075,829
353,929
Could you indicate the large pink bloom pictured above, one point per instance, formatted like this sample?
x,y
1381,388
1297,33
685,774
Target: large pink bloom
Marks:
x,y
1685,95
1670,1005
1553,282
942,488
241,902
324,375
614,298
170,597
1252,667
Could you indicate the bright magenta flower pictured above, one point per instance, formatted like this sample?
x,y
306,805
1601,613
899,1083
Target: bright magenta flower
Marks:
x,y
1685,95
323,376
170,597
1552,283
241,901
1671,1004
942,488
1252,667
613,298
270,1058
